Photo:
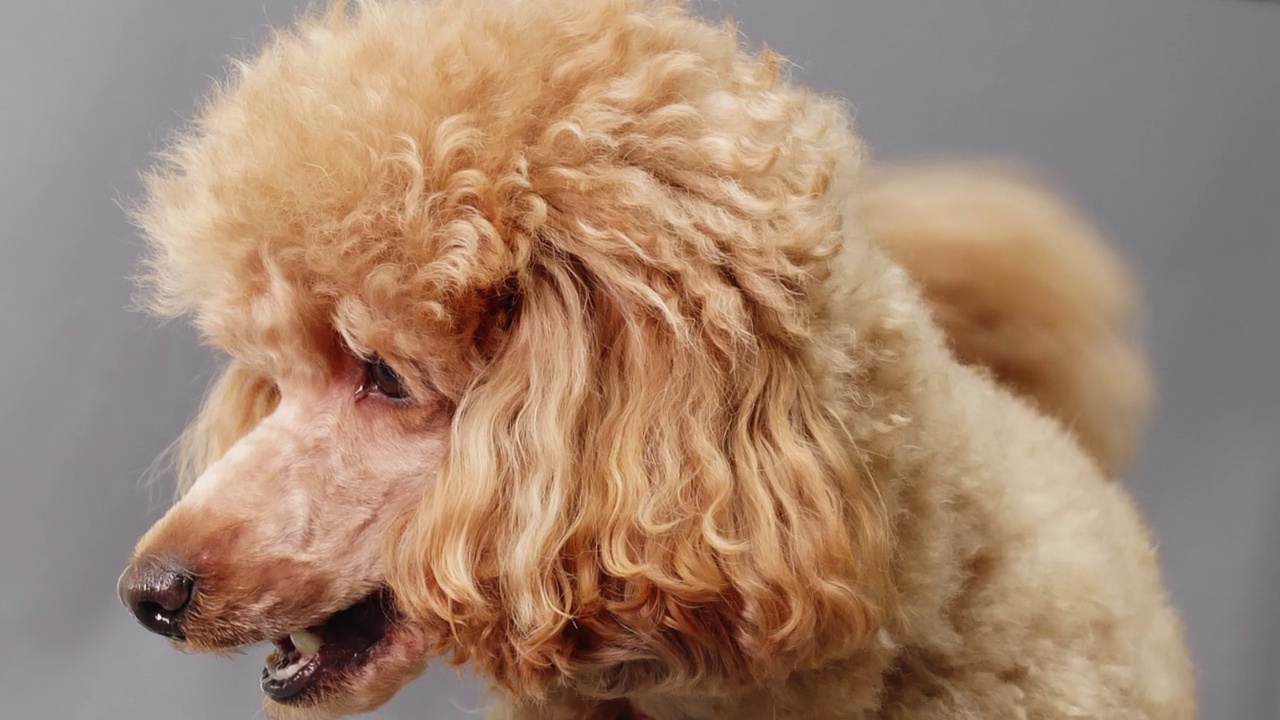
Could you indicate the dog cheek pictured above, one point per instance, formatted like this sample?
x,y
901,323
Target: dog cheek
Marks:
x,y
409,468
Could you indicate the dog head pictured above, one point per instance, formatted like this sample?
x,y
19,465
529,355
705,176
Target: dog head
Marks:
x,y
526,316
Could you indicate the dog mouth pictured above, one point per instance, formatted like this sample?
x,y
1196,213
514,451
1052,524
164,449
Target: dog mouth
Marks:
x,y
307,663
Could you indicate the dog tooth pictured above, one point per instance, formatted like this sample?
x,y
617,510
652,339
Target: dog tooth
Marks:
x,y
307,642
287,673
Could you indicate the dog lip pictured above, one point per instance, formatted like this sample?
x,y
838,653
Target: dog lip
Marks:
x,y
285,689
351,639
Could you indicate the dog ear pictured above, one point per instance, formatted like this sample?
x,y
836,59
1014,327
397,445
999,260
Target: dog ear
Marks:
x,y
236,402
643,489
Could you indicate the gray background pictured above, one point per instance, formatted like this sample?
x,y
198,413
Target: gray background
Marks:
x,y
1162,116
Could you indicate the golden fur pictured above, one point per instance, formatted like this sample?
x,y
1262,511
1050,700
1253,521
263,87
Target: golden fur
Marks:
x,y
982,239
683,440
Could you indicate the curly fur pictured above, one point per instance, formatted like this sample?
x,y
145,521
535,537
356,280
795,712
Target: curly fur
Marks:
x,y
686,440
1024,285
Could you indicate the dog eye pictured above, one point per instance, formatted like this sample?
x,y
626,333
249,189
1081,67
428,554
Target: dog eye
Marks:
x,y
380,378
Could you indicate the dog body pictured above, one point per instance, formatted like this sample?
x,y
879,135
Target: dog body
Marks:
x,y
571,342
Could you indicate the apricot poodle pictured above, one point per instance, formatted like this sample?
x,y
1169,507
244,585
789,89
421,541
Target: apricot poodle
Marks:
x,y
569,340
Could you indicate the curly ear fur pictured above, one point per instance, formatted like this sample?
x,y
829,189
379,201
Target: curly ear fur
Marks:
x,y
629,506
645,487
236,402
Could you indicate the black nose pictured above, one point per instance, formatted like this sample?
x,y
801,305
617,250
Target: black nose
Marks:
x,y
157,596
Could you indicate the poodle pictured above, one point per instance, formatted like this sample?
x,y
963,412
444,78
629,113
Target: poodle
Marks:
x,y
570,340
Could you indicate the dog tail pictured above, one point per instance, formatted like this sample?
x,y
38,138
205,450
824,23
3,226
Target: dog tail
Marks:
x,y
1023,285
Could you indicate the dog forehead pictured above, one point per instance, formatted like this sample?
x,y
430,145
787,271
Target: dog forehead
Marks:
x,y
414,157
410,134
